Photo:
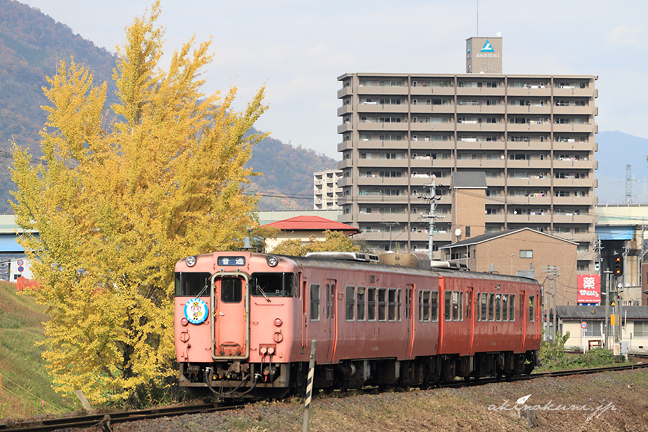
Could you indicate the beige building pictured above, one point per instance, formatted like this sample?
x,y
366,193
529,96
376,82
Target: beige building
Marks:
x,y
521,252
531,135
326,190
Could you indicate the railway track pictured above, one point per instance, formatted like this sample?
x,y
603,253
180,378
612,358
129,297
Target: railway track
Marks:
x,y
103,422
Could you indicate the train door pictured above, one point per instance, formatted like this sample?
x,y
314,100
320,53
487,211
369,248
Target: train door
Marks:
x,y
231,324
470,318
409,319
304,318
330,317
523,317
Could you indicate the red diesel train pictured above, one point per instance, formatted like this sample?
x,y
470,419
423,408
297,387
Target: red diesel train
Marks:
x,y
244,323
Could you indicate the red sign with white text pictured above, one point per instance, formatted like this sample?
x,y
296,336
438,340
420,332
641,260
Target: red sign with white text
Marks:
x,y
589,289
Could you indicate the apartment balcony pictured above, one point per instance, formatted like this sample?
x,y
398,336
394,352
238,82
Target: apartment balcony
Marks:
x,y
382,90
442,145
371,199
443,91
344,181
377,163
439,236
378,108
345,109
345,127
529,145
583,110
420,90
424,163
573,182
443,127
580,237
496,182
381,181
540,109
421,127
572,200
529,163
573,218
575,127
492,109
530,181
480,145
401,218
529,127
422,181
421,108
518,109
344,145
345,163
345,218
469,109
572,145
381,126
479,163
441,163
379,144
494,218
344,91
529,200
571,91
528,218
529,91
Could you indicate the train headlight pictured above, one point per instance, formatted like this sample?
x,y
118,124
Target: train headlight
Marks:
x,y
191,261
263,350
272,261
271,350
278,322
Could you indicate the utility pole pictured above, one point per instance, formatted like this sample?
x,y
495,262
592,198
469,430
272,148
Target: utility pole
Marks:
x,y
608,274
552,273
555,303
433,198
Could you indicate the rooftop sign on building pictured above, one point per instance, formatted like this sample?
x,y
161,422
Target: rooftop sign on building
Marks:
x,y
484,55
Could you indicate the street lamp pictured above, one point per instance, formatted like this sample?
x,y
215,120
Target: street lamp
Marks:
x,y
512,264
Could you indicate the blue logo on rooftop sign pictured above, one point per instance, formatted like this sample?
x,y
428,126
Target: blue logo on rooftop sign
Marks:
x,y
468,47
487,47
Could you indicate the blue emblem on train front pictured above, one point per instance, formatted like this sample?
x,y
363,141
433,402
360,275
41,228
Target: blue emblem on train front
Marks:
x,y
196,311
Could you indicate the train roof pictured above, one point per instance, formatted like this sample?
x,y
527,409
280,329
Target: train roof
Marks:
x,y
330,262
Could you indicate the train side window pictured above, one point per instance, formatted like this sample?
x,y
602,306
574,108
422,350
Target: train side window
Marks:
x,y
505,307
424,306
455,306
434,306
478,307
522,307
531,308
371,304
391,299
314,302
447,305
350,303
327,307
491,307
512,308
461,306
498,307
398,307
231,290
361,304
382,304
484,300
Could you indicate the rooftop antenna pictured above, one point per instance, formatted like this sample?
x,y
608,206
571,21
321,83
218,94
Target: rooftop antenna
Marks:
x,y
477,18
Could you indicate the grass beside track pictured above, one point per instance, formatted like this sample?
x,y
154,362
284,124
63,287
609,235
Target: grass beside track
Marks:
x,y
25,385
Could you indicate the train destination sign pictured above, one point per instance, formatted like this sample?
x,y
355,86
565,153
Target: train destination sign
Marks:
x,y
231,261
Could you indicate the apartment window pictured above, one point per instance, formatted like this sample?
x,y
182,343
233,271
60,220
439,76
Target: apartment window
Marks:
x,y
526,254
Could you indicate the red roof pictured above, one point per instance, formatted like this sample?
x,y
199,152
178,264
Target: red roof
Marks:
x,y
312,223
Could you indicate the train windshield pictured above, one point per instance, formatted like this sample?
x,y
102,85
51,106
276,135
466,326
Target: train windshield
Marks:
x,y
191,284
273,284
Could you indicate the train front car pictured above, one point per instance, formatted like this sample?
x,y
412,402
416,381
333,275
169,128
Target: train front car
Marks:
x,y
234,313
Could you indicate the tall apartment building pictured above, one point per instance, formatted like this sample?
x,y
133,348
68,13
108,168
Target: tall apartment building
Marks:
x,y
532,135
326,191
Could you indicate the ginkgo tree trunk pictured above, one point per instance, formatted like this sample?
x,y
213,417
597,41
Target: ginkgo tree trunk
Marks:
x,y
119,196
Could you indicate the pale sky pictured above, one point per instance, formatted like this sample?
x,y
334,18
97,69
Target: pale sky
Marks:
x,y
299,48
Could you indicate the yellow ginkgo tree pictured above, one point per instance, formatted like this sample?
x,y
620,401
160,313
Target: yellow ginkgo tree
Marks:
x,y
120,194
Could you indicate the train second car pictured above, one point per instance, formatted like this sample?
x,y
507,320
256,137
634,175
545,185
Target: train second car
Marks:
x,y
244,323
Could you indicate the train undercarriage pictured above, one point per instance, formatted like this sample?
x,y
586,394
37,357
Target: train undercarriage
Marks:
x,y
236,379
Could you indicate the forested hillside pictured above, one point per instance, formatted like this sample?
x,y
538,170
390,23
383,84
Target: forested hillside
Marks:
x,y
31,47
